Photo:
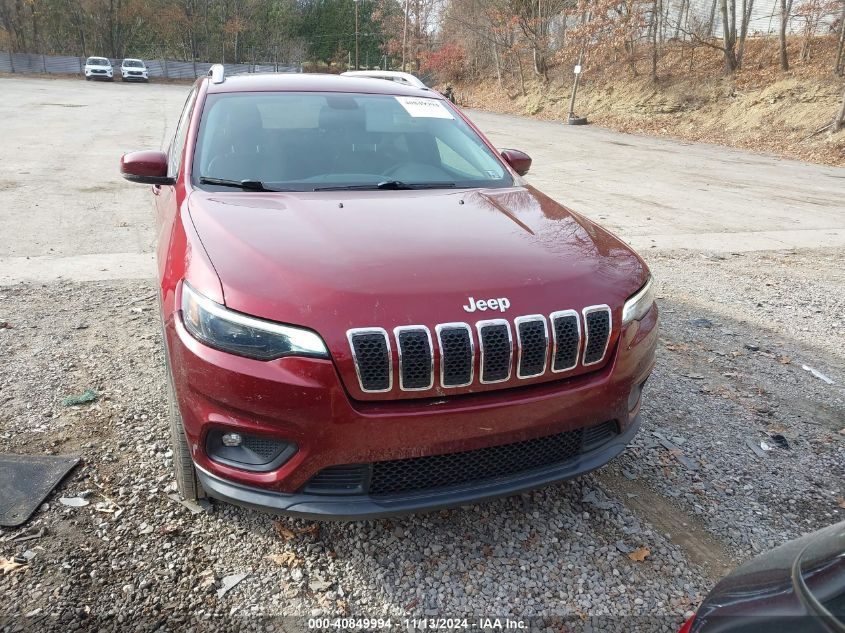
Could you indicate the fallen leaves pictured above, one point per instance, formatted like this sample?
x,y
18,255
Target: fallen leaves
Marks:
x,y
286,559
207,579
8,566
842,503
640,554
287,534
283,531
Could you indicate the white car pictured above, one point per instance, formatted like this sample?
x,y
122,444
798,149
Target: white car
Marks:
x,y
133,70
406,79
98,68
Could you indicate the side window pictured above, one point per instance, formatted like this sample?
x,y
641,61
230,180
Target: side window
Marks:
x,y
177,145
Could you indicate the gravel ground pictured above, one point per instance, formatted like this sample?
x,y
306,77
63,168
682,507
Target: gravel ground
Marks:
x,y
729,372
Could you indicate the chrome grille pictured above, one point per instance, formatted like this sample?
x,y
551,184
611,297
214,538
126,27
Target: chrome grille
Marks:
x,y
456,354
532,336
496,350
563,342
371,353
416,357
598,322
566,330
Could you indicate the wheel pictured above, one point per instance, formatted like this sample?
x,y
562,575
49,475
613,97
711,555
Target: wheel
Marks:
x,y
577,120
87,78
123,78
183,465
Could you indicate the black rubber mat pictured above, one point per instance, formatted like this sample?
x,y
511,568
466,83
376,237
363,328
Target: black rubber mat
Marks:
x,y
26,480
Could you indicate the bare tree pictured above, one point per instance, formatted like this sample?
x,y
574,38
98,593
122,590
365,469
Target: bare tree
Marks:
x,y
535,19
839,122
785,13
728,8
839,66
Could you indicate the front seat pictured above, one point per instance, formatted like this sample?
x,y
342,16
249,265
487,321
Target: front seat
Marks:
x,y
242,147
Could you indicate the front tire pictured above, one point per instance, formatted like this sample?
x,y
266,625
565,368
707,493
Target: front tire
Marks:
x,y
183,465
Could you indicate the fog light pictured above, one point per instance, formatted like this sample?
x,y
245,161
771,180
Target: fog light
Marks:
x,y
231,439
257,453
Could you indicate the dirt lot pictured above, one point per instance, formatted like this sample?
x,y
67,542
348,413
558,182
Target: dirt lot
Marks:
x,y
738,324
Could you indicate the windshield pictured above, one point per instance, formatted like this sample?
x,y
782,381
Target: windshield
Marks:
x,y
98,61
316,141
133,63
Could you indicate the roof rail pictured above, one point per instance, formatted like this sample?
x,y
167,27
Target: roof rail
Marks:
x,y
217,74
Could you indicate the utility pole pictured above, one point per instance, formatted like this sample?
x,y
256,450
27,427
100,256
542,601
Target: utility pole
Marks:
x,y
405,37
356,34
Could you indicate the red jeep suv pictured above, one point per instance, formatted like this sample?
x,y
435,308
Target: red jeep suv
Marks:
x,y
368,311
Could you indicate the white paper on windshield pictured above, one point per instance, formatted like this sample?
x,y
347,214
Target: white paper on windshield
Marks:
x,y
425,108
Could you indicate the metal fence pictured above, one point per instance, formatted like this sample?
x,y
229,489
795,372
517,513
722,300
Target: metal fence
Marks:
x,y
164,68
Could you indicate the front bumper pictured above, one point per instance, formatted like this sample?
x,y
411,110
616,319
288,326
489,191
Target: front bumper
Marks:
x,y
357,507
302,401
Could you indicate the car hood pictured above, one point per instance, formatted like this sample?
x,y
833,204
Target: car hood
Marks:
x,y
338,260
762,594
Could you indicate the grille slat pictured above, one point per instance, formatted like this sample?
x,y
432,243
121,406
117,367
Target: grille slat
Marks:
x,y
496,350
599,434
466,467
566,332
456,354
533,343
339,480
416,358
597,325
371,354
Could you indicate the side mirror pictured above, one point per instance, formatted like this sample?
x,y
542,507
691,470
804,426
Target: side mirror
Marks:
x,y
520,161
148,167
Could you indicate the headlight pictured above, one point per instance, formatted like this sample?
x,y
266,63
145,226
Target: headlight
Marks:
x,y
639,304
236,333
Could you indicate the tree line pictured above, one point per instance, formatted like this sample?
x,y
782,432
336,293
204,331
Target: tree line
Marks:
x,y
452,38
525,36
235,31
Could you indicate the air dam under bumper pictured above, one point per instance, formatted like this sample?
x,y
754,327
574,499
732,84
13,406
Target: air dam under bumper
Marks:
x,y
354,507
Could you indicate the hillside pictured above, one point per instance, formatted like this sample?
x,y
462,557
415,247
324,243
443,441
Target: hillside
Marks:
x,y
759,108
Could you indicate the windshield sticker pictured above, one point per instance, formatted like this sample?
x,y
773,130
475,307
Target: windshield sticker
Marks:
x,y
425,108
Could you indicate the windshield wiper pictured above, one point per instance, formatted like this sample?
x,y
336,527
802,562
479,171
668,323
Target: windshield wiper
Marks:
x,y
390,184
247,185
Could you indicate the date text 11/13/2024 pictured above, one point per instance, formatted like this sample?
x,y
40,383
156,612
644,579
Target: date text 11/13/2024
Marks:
x,y
364,624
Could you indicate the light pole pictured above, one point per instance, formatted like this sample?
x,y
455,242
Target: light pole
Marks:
x,y
356,34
